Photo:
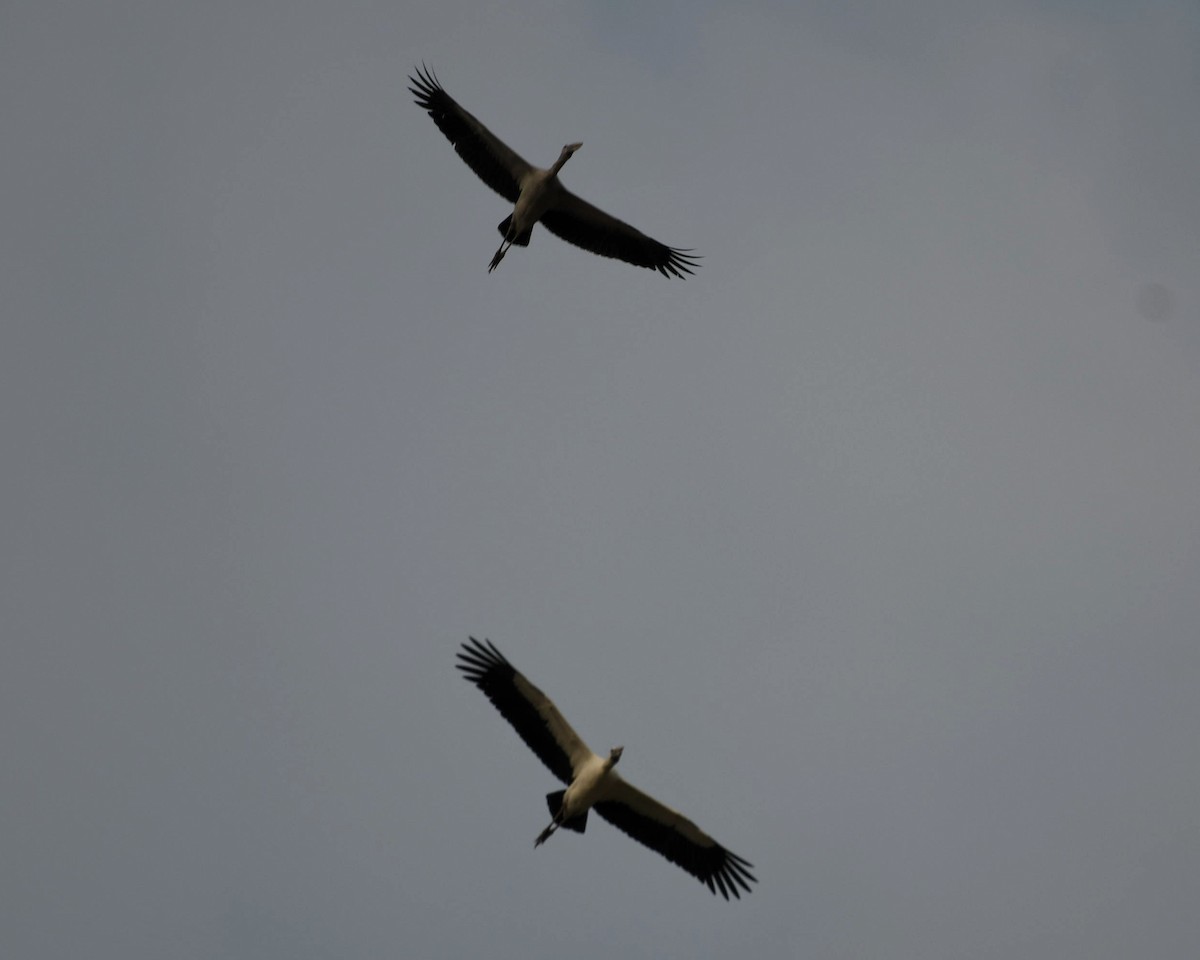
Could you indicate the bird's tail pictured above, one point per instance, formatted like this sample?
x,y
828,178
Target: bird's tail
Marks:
x,y
554,801
521,239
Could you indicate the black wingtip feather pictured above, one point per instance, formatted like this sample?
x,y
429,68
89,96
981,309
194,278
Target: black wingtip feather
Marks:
x,y
424,87
680,261
478,660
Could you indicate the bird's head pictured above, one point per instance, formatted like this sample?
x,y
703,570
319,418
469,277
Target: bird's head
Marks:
x,y
615,755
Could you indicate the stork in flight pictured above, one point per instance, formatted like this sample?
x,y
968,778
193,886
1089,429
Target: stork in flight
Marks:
x,y
592,783
538,194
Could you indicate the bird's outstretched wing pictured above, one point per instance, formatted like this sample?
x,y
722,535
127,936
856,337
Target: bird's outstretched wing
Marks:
x,y
674,836
532,714
584,225
496,164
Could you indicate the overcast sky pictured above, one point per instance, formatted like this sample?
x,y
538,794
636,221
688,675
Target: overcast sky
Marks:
x,y
876,543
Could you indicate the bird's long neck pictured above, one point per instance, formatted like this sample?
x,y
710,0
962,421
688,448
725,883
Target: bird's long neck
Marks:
x,y
558,164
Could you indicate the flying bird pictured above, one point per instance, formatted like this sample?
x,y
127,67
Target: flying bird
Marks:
x,y
537,194
592,783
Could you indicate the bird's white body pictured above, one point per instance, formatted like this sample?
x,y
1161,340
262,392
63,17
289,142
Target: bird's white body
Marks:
x,y
540,191
535,198
587,787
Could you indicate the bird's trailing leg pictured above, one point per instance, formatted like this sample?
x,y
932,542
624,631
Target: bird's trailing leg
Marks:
x,y
545,834
554,801
504,245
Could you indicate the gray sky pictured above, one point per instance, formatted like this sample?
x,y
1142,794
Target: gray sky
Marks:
x,y
876,543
